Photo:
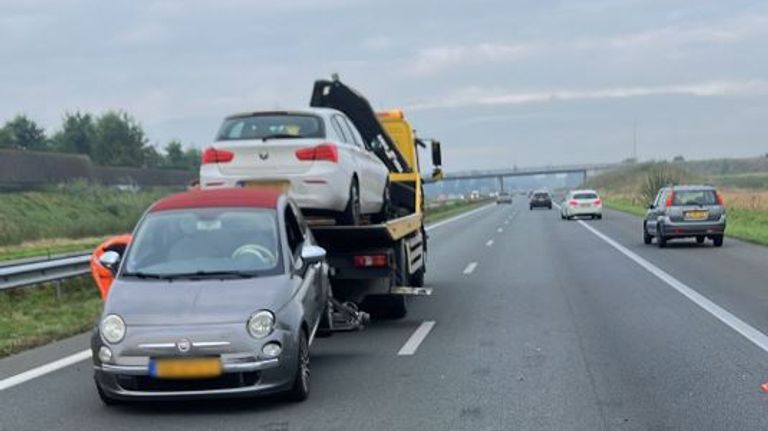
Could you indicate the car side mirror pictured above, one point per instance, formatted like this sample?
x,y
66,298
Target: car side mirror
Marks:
x,y
651,206
110,260
312,254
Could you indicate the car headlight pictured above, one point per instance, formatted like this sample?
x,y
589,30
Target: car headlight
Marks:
x,y
261,324
112,328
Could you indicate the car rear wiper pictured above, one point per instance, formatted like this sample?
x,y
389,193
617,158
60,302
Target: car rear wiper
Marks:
x,y
279,136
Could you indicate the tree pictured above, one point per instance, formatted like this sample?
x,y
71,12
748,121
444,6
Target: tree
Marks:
x,y
152,159
77,134
120,140
174,155
23,134
678,159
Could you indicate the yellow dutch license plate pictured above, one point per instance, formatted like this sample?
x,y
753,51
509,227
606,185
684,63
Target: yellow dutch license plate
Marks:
x,y
192,368
696,215
280,185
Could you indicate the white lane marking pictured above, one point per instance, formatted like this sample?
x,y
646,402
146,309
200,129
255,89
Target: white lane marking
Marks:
x,y
471,267
418,336
458,217
489,243
44,369
738,325
500,230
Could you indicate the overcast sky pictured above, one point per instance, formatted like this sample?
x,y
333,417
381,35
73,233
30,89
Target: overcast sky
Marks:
x,y
500,82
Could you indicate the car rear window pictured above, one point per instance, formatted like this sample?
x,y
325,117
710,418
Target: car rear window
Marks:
x,y
541,195
694,197
585,196
261,126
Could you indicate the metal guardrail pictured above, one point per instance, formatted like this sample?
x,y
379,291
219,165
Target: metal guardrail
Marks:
x,y
36,272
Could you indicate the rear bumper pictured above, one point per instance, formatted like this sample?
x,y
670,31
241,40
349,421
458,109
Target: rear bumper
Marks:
x,y
535,204
688,229
575,211
319,188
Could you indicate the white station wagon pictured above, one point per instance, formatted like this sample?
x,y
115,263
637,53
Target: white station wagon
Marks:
x,y
317,153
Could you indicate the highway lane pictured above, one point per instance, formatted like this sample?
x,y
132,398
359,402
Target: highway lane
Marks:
x,y
551,329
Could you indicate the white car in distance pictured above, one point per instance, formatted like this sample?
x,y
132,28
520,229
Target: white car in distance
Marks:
x,y
582,203
316,153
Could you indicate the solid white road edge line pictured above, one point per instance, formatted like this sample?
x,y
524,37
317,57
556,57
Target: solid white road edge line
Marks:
x,y
44,369
85,354
471,267
738,325
418,336
458,217
489,243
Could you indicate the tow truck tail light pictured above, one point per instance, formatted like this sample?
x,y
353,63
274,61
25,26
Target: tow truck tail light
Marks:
x,y
371,261
323,152
212,155
670,198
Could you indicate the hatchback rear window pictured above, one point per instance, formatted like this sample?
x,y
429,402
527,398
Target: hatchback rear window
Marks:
x,y
274,126
695,197
584,196
541,195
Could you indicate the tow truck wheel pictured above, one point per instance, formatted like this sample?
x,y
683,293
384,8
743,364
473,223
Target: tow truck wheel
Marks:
x,y
300,389
397,308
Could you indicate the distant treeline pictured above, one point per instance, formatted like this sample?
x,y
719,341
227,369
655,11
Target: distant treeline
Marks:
x,y
113,138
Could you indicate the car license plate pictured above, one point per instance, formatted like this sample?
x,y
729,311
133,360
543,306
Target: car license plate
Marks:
x,y
696,215
585,205
187,368
280,185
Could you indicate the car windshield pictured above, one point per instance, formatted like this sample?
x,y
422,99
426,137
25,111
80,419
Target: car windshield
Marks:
x,y
271,126
584,196
207,241
695,197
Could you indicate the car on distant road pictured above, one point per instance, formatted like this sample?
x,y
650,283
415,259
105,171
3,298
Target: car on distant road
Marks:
x,y
219,294
540,198
685,211
582,203
504,198
317,154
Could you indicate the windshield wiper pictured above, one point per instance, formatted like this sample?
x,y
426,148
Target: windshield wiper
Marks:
x,y
213,274
139,274
279,136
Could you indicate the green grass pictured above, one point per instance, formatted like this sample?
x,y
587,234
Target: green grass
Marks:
x,y
31,317
48,247
72,211
451,209
747,225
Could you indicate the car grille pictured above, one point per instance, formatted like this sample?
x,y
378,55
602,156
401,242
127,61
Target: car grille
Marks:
x,y
151,384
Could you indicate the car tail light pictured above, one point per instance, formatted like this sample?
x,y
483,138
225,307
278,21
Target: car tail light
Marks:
x,y
573,202
720,200
212,155
598,202
324,152
670,198
372,260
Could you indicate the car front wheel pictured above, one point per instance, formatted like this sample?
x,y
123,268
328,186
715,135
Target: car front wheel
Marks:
x,y
300,389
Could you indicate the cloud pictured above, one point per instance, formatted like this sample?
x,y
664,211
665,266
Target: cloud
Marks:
x,y
475,96
430,61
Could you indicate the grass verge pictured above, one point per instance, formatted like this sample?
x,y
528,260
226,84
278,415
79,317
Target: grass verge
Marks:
x,y
451,209
34,316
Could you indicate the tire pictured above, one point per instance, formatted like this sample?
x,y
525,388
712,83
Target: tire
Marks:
x,y
549,207
718,240
700,239
351,214
530,207
599,216
396,308
383,214
661,241
300,389
106,399
647,238
562,217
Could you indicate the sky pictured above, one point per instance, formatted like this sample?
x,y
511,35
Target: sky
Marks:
x,y
501,83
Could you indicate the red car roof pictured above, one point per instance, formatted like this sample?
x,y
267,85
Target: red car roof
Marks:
x,y
234,197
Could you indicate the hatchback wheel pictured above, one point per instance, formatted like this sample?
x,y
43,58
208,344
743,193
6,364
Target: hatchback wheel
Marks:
x,y
351,214
647,238
300,389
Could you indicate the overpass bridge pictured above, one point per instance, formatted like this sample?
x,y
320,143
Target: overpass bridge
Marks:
x,y
584,169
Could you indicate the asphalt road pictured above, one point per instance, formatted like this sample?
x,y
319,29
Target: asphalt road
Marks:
x,y
539,324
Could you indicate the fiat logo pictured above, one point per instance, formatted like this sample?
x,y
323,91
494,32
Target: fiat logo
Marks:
x,y
183,345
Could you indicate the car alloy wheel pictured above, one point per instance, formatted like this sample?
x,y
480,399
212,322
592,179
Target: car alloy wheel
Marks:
x,y
300,389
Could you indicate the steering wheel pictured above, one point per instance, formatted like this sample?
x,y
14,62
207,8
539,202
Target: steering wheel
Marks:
x,y
263,253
